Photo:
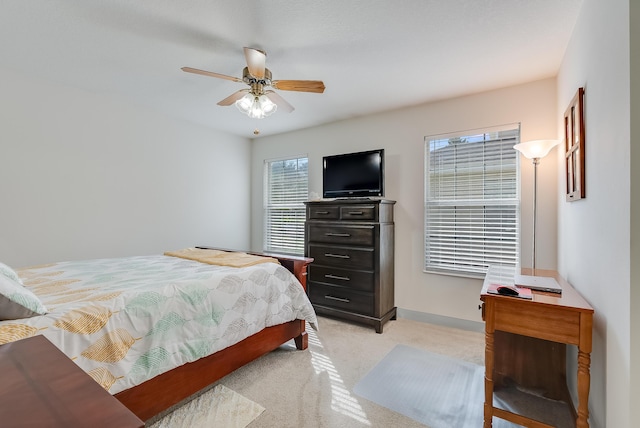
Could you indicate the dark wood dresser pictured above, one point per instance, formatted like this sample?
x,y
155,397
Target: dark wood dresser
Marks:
x,y
352,244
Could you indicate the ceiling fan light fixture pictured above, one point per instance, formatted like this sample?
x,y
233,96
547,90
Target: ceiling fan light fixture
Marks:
x,y
256,112
244,104
256,106
266,105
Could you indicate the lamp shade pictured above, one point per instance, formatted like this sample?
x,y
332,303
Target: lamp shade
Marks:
x,y
536,149
266,105
244,104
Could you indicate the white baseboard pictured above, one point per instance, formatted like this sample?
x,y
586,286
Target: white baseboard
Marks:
x,y
441,320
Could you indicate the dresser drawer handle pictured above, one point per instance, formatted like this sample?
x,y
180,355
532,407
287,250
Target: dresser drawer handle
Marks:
x,y
337,256
344,278
341,235
322,212
339,299
355,213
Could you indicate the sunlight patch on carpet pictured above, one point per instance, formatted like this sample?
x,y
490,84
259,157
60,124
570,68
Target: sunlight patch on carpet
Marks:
x,y
433,389
218,407
341,399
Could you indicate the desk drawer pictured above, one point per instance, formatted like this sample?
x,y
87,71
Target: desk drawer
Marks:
x,y
352,258
355,279
530,319
341,298
339,234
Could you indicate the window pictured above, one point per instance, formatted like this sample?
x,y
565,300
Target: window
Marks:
x,y
472,201
286,190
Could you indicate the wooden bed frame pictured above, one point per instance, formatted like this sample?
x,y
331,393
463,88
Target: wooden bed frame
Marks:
x,y
168,389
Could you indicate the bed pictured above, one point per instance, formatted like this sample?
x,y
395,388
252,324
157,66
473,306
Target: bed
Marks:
x,y
154,330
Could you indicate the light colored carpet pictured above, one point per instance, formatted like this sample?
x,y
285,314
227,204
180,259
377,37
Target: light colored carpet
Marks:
x,y
218,407
314,388
436,390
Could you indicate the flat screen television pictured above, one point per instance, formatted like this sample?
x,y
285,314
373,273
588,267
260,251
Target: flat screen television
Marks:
x,y
353,175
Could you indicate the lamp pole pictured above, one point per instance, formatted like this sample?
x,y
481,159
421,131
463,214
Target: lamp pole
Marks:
x,y
536,161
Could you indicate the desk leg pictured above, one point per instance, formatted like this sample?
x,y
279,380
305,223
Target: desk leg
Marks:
x,y
584,378
488,379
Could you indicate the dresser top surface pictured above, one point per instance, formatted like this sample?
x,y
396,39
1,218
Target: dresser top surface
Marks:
x,y
351,201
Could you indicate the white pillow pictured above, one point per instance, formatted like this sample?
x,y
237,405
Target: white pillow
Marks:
x,y
9,273
17,302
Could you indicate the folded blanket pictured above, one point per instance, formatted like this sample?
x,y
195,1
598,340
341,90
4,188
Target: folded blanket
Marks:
x,y
220,258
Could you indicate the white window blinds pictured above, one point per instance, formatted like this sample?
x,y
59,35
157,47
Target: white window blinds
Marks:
x,y
286,190
472,201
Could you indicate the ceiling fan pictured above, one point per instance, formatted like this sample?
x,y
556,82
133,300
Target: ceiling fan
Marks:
x,y
258,102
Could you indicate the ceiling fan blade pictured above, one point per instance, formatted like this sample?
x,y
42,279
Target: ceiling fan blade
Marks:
x,y
211,74
233,97
256,61
279,101
299,85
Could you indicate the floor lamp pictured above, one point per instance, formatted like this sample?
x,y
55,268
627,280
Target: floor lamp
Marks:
x,y
535,150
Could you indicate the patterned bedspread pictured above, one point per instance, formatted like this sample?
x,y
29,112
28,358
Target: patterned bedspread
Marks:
x,y
126,320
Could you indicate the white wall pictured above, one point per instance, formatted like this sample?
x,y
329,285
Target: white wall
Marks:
x,y
401,133
634,27
594,233
88,175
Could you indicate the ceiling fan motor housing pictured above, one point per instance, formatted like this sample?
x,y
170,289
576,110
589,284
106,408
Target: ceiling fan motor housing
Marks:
x,y
249,79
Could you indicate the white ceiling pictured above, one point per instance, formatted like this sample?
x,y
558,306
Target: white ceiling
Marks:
x,y
373,55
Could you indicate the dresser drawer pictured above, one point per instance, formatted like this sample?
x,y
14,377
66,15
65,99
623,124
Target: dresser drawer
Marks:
x,y
355,279
323,212
340,234
358,212
341,298
352,258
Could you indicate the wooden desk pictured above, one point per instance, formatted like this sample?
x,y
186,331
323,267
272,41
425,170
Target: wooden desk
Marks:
x,y
41,387
526,344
